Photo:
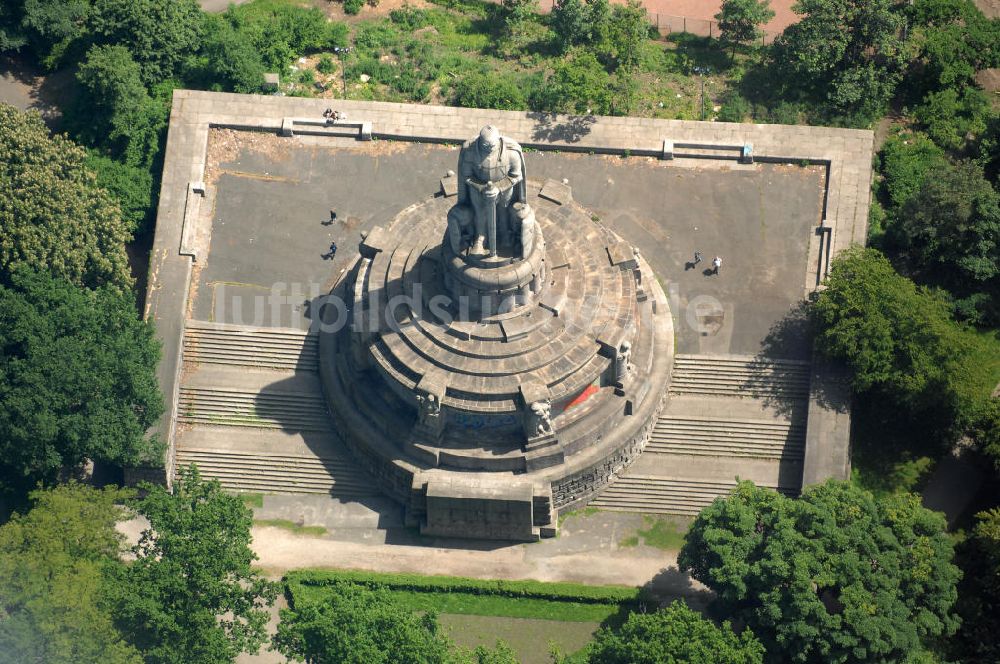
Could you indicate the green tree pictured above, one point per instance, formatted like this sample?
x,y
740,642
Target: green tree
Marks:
x,y
674,635
951,117
628,31
159,34
359,626
979,593
740,21
52,562
578,84
897,338
954,41
835,576
904,163
132,188
77,378
115,111
12,36
500,653
580,22
847,52
950,228
191,596
52,214
515,16
55,28
228,59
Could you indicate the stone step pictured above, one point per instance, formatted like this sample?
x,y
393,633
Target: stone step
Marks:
x,y
745,438
270,473
272,348
663,495
740,376
232,407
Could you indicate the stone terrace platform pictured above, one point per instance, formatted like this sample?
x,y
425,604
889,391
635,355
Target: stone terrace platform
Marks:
x,y
776,222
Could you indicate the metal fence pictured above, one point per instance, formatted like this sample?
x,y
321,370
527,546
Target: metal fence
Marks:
x,y
667,24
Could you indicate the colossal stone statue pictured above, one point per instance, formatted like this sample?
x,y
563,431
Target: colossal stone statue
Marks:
x,y
490,179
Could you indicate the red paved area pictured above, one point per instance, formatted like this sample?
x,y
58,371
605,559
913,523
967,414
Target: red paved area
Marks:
x,y
698,16
707,9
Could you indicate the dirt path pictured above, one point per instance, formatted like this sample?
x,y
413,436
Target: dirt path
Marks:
x,y
280,551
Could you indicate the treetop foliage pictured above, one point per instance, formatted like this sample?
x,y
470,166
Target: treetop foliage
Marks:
x,y
674,635
52,561
77,378
848,51
360,626
834,576
740,21
53,216
191,595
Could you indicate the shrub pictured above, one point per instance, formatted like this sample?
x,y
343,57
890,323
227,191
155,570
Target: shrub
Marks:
x,y
325,65
131,187
489,91
569,592
950,116
409,17
904,162
229,59
281,31
353,7
735,107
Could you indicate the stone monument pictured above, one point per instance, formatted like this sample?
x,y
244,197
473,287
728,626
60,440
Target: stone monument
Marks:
x,y
505,357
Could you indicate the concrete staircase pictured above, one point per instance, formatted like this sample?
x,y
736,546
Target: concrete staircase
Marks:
x,y
664,495
277,473
699,436
272,348
249,408
251,413
740,376
727,417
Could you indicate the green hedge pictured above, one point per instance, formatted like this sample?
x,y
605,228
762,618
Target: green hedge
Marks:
x,y
565,592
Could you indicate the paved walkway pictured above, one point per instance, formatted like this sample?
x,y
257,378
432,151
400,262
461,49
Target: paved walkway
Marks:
x,y
368,534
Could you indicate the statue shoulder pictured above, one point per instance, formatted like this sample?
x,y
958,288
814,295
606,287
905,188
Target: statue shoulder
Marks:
x,y
512,145
469,144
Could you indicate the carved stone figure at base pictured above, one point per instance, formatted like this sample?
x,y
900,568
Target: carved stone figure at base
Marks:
x,y
539,419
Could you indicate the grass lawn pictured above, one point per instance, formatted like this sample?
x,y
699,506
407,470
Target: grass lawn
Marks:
x,y
531,639
531,616
291,526
661,532
471,597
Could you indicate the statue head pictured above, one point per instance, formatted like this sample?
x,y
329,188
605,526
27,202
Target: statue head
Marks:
x,y
489,138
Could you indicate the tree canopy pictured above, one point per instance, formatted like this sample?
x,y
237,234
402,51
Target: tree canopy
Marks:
x,y
191,595
740,20
77,378
360,626
52,562
848,51
53,216
896,337
835,576
121,116
951,228
674,635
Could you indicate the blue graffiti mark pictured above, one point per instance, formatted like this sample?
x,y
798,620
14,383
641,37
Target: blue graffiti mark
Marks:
x,y
479,422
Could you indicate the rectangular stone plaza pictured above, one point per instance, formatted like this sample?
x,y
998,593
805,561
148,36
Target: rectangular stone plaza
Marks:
x,y
245,241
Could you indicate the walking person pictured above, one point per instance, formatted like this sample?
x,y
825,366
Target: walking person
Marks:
x,y
697,258
716,264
